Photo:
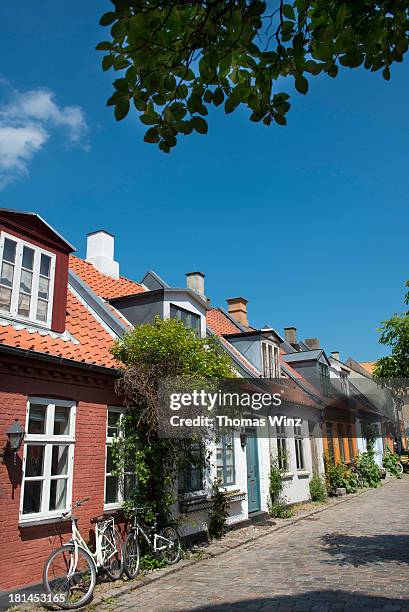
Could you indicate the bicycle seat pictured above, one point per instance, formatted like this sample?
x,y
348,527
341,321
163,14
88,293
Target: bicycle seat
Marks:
x,y
98,519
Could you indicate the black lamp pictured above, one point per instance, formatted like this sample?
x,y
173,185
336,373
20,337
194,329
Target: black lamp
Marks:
x,y
15,434
243,439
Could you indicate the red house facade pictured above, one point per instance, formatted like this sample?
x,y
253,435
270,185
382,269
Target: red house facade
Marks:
x,y
57,378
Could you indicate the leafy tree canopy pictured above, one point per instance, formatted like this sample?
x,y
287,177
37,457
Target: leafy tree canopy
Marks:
x,y
395,333
176,58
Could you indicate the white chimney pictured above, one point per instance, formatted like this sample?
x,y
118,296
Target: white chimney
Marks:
x,y
195,282
100,252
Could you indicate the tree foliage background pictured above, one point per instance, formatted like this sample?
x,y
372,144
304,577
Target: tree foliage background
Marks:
x,y
176,58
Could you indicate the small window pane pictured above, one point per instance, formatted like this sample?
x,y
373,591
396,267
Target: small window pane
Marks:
x,y
28,258
5,299
59,461
110,465
111,492
34,460
7,271
113,423
36,422
45,265
58,494
24,304
61,421
33,490
43,288
26,281
9,252
129,485
42,310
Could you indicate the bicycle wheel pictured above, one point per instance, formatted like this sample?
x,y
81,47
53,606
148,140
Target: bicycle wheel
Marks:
x,y
70,585
399,468
131,555
173,547
114,566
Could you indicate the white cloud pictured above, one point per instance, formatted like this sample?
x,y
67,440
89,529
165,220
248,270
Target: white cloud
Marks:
x,y
26,123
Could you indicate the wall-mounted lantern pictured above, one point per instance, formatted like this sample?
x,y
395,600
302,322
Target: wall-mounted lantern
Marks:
x,y
15,434
243,439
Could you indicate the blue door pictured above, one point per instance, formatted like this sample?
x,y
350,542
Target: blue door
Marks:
x,y
253,484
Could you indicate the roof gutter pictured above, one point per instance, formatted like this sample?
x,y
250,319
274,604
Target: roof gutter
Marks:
x,y
29,354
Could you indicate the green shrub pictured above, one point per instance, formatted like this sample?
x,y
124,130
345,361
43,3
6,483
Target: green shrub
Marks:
x,y
339,475
218,513
368,469
390,463
277,503
318,489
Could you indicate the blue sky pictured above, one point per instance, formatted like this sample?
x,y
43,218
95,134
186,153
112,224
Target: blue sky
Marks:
x,y
308,222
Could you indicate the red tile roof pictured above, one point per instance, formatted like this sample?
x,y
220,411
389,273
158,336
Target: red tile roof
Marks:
x,y
103,285
219,323
94,342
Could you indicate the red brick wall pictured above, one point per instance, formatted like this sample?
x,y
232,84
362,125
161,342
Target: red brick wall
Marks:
x,y
23,550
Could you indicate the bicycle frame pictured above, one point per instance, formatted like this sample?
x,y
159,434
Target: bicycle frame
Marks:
x,y
99,557
152,543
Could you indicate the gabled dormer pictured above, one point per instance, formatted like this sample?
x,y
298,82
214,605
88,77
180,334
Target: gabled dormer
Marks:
x,y
187,304
33,271
261,347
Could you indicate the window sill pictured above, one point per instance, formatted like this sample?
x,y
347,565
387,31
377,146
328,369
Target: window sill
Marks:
x,y
43,520
192,496
288,475
303,473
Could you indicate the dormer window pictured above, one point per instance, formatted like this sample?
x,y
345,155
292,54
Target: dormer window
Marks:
x,y
189,319
26,280
270,360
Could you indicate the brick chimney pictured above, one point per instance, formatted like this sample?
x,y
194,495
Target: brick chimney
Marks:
x,y
312,343
100,252
195,282
290,335
237,308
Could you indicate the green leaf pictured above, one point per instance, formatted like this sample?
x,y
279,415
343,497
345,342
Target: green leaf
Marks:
x,y
164,146
121,109
333,71
107,19
107,62
149,118
230,105
288,11
152,135
386,73
104,46
218,96
301,84
280,119
199,124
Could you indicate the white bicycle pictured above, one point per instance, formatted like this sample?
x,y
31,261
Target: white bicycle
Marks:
x,y
70,572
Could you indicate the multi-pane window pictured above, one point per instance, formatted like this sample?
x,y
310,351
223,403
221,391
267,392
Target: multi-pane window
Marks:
x,y
325,379
270,360
190,478
330,441
344,384
48,458
341,441
299,448
189,319
118,487
26,280
350,443
282,453
225,460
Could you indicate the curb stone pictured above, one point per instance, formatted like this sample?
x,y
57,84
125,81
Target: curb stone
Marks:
x,y
145,580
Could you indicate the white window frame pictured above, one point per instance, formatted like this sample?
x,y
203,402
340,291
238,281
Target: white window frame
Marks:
x,y
109,440
271,352
15,289
299,448
48,439
283,459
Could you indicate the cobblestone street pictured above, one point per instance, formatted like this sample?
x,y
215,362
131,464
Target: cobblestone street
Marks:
x,y
350,557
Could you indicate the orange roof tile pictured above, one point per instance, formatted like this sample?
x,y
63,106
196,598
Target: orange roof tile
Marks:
x,y
368,366
94,342
103,285
219,323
